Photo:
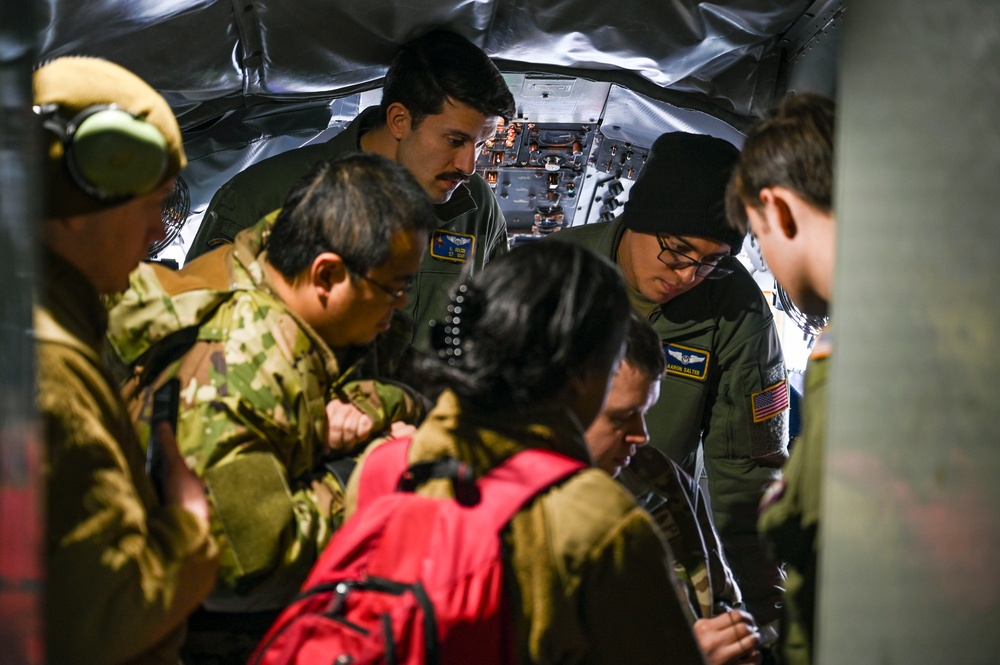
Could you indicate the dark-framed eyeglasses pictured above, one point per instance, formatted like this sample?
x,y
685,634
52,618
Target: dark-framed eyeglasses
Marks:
x,y
395,294
675,260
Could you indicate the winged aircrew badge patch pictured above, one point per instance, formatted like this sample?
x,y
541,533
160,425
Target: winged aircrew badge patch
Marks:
x,y
686,361
451,246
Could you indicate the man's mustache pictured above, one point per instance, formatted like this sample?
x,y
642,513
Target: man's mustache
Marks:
x,y
454,175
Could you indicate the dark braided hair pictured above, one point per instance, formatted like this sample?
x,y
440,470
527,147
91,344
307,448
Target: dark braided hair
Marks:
x,y
533,319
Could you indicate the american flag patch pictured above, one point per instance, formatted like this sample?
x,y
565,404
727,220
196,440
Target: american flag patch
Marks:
x,y
770,401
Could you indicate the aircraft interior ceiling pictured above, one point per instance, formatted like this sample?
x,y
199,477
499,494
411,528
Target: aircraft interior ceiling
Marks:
x,y
594,84
208,57
910,503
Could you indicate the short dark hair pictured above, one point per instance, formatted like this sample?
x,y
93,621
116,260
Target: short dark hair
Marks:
x,y
791,147
352,206
528,323
643,348
443,65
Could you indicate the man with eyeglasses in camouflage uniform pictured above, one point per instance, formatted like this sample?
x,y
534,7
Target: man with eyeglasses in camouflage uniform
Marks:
x,y
273,340
725,387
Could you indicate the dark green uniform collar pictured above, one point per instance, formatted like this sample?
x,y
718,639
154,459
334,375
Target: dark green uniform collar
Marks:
x,y
460,203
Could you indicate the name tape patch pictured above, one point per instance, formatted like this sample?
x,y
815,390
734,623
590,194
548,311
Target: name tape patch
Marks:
x,y
686,361
770,401
451,246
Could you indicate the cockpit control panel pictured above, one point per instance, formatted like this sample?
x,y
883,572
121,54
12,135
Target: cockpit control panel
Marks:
x,y
546,175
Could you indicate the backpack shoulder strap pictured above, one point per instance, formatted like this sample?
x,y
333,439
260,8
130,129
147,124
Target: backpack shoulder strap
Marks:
x,y
508,487
382,469
504,490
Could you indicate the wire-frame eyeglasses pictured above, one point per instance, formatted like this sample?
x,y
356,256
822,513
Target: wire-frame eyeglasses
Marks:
x,y
678,261
395,294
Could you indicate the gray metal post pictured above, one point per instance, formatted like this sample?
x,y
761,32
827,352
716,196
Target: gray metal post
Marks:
x,y
21,524
910,563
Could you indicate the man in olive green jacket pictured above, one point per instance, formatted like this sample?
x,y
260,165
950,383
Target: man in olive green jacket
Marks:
x,y
783,189
617,442
277,328
124,567
442,101
725,386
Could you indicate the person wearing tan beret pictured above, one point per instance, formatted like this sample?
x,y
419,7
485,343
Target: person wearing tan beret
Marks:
x,y
125,566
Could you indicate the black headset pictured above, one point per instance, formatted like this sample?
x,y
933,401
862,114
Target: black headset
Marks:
x,y
110,153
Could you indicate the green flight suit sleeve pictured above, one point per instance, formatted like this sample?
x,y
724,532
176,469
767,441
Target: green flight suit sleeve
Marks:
x,y
742,457
790,519
258,190
725,592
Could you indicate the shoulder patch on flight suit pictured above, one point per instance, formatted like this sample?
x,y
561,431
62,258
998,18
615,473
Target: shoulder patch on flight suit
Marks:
x,y
686,361
452,246
770,402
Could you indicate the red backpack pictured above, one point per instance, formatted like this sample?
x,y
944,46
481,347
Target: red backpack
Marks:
x,y
413,579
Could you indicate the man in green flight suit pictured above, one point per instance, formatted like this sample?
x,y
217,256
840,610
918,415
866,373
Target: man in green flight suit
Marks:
x,y
784,189
725,386
265,337
442,100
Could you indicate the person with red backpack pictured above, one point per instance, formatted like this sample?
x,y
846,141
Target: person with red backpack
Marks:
x,y
524,359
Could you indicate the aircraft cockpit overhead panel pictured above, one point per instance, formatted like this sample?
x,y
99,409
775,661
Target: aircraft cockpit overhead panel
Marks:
x,y
536,171
574,148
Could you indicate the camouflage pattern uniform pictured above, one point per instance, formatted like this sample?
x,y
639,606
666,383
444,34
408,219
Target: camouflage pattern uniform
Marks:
x,y
725,332
790,513
472,227
255,380
679,507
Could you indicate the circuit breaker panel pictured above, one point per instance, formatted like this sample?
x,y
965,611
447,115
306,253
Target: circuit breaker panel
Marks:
x,y
548,176
536,172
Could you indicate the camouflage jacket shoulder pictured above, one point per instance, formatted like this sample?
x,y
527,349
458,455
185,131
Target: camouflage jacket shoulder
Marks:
x,y
161,302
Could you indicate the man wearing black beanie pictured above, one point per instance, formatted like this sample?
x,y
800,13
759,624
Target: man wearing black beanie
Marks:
x,y
725,385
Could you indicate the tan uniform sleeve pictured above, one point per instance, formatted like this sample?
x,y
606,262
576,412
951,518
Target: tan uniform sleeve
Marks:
x,y
123,573
630,610
595,580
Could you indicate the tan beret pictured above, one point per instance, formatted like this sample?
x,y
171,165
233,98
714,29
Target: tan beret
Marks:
x,y
67,86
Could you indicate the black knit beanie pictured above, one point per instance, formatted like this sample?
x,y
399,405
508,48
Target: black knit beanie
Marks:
x,y
681,189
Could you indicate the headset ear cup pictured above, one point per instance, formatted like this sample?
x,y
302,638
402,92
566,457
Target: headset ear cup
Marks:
x,y
116,155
